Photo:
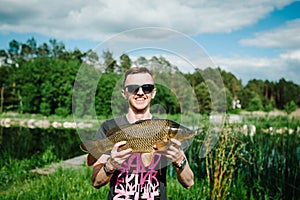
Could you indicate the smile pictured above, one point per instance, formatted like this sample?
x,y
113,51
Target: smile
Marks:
x,y
140,99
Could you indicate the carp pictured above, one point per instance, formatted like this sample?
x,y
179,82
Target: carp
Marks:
x,y
141,137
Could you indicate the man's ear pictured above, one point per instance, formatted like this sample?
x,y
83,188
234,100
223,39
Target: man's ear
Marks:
x,y
124,94
153,93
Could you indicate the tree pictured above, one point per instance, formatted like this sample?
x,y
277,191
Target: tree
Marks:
x,y
125,63
141,61
231,83
43,50
255,104
109,62
14,48
290,107
56,48
33,46
195,78
25,51
286,91
257,86
203,97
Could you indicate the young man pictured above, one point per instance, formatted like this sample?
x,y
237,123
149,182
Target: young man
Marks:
x,y
128,177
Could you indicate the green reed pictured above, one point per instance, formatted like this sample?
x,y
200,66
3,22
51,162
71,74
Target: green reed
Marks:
x,y
263,166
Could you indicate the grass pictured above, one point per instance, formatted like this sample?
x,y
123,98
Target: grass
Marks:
x,y
64,184
74,184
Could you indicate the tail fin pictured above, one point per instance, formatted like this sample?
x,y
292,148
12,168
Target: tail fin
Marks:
x,y
97,148
90,160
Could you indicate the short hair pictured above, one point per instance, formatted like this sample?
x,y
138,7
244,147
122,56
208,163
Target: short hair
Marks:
x,y
136,70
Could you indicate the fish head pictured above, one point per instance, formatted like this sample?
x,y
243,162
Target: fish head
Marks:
x,y
180,132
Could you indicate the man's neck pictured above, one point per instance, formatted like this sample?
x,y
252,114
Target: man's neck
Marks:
x,y
134,116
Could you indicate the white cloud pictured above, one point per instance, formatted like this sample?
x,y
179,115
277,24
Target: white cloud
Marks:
x,y
272,69
293,55
99,19
286,37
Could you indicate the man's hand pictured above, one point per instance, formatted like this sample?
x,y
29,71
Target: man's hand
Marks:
x,y
174,153
118,157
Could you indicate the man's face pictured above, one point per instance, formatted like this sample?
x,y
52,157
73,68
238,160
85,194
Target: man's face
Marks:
x,y
139,100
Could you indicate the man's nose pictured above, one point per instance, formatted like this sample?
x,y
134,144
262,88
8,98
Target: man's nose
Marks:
x,y
140,91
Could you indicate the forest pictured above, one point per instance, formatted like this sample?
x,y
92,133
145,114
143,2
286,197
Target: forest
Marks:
x,y
41,79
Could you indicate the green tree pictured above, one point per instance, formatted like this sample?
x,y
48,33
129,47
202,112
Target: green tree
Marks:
x,y
125,63
254,104
141,61
195,78
14,48
56,48
25,51
231,83
286,91
290,107
43,50
84,91
229,100
269,107
104,94
204,98
33,46
110,63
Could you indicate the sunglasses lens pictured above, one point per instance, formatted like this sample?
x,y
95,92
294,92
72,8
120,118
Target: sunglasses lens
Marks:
x,y
148,88
133,89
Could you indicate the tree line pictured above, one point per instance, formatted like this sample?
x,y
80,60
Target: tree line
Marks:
x,y
41,79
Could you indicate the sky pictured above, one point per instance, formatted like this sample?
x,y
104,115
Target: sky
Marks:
x,y
256,39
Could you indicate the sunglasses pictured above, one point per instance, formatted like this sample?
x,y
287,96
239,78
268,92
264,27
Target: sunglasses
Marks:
x,y
133,89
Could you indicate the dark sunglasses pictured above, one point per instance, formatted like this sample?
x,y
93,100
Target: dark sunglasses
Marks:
x,y
133,89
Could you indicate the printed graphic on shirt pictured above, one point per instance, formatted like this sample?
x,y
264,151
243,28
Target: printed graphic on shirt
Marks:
x,y
136,181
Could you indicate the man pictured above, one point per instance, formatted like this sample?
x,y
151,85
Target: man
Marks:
x,y
128,177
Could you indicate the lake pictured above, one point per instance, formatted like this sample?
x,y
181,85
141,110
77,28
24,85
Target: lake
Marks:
x,y
23,142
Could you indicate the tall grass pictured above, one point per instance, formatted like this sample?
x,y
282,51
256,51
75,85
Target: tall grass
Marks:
x,y
263,166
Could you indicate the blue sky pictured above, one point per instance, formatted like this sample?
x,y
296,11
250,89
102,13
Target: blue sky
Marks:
x,y
255,39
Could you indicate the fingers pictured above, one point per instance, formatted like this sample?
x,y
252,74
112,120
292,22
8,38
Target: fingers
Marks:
x,y
118,157
118,145
173,152
175,143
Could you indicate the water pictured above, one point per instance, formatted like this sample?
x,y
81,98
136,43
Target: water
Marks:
x,y
22,142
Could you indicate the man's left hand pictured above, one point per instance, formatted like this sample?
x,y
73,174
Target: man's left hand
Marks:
x,y
174,153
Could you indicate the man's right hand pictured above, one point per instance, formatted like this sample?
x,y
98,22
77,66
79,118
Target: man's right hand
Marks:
x,y
118,157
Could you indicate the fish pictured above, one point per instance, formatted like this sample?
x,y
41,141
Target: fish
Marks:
x,y
140,136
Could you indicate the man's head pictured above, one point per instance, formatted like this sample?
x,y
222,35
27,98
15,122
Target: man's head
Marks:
x,y
138,88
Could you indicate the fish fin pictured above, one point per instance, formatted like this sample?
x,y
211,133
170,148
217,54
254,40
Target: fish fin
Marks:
x,y
96,148
147,158
162,145
90,160
83,148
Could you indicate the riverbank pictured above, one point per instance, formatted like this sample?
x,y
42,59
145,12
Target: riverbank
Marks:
x,y
75,162
12,119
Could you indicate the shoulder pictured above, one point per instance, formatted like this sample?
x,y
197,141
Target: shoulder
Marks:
x,y
112,123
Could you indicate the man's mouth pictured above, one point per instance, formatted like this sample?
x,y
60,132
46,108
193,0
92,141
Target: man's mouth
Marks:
x,y
140,99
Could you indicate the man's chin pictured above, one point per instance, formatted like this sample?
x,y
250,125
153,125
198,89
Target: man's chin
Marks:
x,y
140,105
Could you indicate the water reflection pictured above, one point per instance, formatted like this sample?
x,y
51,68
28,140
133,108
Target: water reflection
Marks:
x,y
23,142
45,123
